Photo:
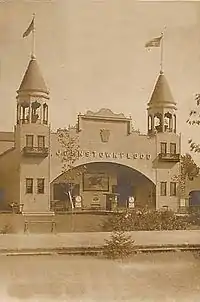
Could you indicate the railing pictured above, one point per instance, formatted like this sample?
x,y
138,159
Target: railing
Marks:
x,y
36,151
169,157
23,121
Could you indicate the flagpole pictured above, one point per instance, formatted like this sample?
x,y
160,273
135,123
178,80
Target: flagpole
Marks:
x,y
161,53
33,39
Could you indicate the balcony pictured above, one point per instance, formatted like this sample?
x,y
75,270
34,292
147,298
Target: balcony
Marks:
x,y
169,157
36,151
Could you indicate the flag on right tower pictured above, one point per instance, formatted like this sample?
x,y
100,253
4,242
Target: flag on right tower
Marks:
x,y
157,42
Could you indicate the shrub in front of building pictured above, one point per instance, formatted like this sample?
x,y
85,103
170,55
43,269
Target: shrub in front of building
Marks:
x,y
145,220
194,217
6,229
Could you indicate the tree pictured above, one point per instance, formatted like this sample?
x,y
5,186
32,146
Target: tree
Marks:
x,y
120,245
188,171
194,120
69,154
188,167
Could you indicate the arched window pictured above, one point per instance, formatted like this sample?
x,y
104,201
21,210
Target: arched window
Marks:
x,y
168,122
18,113
150,125
35,114
174,124
158,122
24,112
45,114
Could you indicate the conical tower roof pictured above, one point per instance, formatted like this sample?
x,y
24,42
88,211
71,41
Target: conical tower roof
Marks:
x,y
161,95
33,79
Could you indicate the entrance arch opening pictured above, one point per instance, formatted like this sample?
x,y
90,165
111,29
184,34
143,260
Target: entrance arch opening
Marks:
x,y
105,185
194,199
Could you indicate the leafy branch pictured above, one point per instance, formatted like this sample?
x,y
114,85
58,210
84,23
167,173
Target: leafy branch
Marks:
x,y
194,120
69,154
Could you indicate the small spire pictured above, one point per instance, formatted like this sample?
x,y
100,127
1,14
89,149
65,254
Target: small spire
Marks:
x,y
161,95
33,79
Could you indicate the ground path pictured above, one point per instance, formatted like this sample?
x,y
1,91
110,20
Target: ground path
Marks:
x,y
85,240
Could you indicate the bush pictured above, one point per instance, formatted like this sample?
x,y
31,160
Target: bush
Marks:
x,y
194,217
120,245
145,220
6,229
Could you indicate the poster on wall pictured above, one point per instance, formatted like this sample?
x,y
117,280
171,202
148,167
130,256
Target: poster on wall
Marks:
x,y
95,182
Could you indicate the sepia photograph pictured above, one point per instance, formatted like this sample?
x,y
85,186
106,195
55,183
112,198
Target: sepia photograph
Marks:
x,y
99,151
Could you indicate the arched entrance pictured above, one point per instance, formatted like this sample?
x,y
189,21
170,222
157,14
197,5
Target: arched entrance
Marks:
x,y
194,198
103,185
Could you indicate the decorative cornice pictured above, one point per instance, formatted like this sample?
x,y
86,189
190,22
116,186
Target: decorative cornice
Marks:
x,y
104,113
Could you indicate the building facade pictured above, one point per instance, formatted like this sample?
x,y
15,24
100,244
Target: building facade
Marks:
x,y
122,167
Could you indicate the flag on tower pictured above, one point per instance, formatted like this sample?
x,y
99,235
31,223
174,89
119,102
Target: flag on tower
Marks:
x,y
155,42
30,28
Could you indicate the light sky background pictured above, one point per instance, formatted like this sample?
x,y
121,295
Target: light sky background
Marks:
x,y
92,55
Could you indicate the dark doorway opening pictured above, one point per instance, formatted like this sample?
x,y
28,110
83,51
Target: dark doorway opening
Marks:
x,y
125,190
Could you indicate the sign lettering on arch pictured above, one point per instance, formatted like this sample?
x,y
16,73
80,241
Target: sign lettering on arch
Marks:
x,y
115,155
110,155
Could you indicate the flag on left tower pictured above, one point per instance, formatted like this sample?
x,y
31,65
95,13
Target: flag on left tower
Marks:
x,y
29,29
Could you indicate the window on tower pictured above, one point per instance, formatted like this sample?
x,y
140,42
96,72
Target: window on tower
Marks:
x,y
29,185
163,188
158,122
163,148
35,114
40,185
172,188
24,112
172,148
174,123
41,141
29,141
168,122
150,125
45,114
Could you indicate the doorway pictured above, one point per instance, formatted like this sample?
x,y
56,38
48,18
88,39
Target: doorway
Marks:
x,y
125,189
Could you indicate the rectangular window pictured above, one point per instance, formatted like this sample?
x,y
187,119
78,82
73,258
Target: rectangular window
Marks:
x,y
163,148
172,188
40,185
172,148
41,141
29,185
163,188
29,141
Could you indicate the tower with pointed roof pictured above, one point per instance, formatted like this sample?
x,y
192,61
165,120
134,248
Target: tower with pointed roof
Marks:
x,y
162,126
32,137
161,108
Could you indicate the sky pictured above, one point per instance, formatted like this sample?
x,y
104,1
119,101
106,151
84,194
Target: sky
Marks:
x,y
92,55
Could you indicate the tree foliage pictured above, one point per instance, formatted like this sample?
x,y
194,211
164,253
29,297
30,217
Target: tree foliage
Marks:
x,y
119,246
189,168
188,171
194,120
69,147
69,154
